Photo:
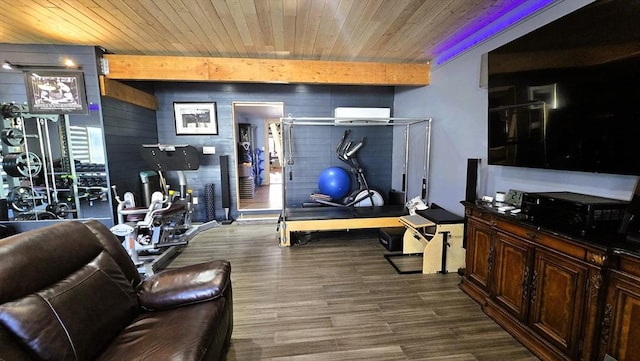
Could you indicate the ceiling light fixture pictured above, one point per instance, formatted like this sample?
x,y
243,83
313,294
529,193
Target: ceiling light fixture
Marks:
x,y
67,64
7,65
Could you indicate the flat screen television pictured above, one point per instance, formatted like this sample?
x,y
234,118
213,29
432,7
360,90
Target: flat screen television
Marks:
x,y
567,95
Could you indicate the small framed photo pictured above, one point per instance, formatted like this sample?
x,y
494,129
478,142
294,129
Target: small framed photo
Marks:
x,y
56,92
546,94
195,118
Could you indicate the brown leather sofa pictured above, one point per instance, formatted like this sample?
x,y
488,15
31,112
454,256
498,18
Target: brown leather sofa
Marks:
x,y
70,292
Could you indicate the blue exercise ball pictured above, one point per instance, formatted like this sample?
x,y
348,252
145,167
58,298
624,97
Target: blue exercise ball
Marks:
x,y
334,182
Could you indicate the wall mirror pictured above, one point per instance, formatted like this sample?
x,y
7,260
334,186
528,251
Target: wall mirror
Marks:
x,y
53,168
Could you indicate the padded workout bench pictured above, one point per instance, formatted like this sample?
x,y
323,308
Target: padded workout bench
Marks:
x,y
436,235
337,218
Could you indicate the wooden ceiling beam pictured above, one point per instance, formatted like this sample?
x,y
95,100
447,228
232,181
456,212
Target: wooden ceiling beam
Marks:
x,y
114,89
249,70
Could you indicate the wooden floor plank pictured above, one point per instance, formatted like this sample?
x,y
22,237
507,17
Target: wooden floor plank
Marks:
x,y
337,298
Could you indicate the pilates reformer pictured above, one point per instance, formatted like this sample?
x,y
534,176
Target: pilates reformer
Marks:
x,y
300,219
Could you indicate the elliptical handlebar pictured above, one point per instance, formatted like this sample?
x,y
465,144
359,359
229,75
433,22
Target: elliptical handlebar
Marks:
x,y
346,151
352,151
342,140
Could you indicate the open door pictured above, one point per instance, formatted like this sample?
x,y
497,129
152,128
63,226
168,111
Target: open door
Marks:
x,y
258,155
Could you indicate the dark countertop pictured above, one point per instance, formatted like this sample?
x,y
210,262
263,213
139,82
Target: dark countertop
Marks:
x,y
612,243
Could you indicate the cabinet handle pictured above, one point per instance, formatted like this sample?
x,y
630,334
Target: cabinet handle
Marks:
x,y
534,285
525,283
532,235
598,259
606,324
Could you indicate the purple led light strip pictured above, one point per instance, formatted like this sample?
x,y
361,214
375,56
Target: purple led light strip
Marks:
x,y
478,32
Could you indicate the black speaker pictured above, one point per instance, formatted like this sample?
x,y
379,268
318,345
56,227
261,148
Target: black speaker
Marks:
x,y
473,170
224,181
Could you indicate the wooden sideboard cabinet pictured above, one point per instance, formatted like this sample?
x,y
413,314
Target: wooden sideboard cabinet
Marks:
x,y
478,260
620,328
541,287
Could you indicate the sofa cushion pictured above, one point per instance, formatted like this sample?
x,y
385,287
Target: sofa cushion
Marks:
x,y
34,260
185,285
183,333
76,317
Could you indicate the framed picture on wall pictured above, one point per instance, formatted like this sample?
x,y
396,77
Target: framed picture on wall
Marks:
x,y
195,118
544,93
56,92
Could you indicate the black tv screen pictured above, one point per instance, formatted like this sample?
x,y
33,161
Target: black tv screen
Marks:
x,y
567,96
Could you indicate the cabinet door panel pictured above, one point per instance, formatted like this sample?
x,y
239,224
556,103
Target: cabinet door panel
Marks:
x,y
512,274
558,288
478,253
625,325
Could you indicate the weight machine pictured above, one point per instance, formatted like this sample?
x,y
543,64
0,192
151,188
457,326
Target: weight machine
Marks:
x,y
36,186
152,234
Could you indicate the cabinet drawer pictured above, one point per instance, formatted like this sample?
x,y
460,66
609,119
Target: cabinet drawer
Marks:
x,y
629,265
540,238
480,215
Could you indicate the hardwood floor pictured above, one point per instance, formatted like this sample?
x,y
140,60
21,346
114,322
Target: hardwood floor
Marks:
x,y
266,196
337,298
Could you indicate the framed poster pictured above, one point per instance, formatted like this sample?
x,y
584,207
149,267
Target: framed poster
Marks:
x,y
544,93
56,92
195,118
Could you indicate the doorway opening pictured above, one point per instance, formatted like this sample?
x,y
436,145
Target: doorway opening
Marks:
x,y
259,155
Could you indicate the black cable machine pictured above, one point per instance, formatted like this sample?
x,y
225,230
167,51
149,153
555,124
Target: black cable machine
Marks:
x,y
156,229
344,218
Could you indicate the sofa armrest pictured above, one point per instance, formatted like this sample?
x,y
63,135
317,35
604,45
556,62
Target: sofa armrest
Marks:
x,y
185,285
11,348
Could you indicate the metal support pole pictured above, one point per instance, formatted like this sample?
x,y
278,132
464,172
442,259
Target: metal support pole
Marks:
x,y
445,245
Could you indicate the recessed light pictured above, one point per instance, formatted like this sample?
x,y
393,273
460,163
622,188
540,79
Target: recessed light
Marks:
x,y
69,63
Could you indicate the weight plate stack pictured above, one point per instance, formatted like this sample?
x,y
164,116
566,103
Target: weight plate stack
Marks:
x,y
22,164
12,137
22,199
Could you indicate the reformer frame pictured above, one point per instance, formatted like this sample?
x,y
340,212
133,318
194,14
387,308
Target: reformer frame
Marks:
x,y
343,219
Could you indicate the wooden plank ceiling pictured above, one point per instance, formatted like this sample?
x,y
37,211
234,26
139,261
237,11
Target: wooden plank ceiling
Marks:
x,y
386,31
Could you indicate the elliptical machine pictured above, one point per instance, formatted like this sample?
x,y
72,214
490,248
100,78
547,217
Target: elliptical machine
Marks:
x,y
364,195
